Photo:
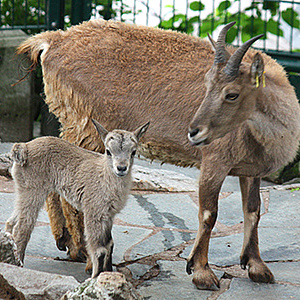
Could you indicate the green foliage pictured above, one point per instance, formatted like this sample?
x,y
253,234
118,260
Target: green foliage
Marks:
x,y
250,21
18,12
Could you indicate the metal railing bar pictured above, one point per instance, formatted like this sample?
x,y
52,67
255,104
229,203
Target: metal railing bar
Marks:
x,y
22,27
278,28
13,13
134,11
147,16
212,19
199,24
26,14
292,27
186,15
173,18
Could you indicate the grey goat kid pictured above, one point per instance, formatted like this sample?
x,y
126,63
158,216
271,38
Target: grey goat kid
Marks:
x,y
96,184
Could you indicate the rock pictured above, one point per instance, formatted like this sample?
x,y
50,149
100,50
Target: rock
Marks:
x,y
107,286
161,180
8,253
5,165
21,283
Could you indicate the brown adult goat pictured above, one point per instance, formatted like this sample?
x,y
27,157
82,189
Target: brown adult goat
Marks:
x,y
122,74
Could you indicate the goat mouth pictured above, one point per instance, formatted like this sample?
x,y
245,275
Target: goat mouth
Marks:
x,y
201,142
121,174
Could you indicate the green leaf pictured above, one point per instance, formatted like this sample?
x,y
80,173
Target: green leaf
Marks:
x,y
273,27
252,28
272,6
197,6
223,6
245,36
231,35
291,17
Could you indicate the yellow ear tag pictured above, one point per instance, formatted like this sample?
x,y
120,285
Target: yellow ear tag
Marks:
x,y
264,79
257,80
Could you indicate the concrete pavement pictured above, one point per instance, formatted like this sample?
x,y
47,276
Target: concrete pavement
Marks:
x,y
154,234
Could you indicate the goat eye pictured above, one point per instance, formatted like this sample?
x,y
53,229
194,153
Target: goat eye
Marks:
x,y
231,97
108,152
133,153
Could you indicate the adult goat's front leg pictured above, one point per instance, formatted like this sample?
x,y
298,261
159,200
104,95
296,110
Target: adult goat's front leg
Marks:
x,y
250,256
209,187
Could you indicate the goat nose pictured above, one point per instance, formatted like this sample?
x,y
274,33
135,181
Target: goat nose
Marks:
x,y
122,169
193,132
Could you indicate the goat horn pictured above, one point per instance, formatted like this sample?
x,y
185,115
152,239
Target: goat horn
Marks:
x,y
233,64
222,55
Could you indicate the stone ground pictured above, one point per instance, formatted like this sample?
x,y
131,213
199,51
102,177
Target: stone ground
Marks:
x,y
154,234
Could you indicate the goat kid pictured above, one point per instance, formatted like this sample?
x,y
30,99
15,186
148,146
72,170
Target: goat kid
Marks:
x,y
96,184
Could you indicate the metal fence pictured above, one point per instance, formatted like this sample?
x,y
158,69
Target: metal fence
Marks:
x,y
278,19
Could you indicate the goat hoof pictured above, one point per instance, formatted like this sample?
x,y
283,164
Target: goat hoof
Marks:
x,y
205,279
88,270
189,266
259,272
61,243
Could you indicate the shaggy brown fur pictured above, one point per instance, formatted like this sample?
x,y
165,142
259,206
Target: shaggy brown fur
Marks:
x,y
121,73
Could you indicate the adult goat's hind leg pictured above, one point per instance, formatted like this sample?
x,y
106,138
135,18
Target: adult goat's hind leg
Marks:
x,y
57,221
250,256
27,206
211,179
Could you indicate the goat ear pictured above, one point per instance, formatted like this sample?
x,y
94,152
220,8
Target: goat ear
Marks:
x,y
257,69
101,130
141,130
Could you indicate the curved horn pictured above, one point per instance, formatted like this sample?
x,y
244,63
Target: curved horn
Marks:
x,y
233,64
221,55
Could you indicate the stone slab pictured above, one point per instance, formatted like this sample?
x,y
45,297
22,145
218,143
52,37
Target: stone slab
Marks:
x,y
161,180
42,244
161,241
5,147
284,210
245,289
230,210
172,283
7,207
275,245
66,268
286,271
35,284
176,211
138,270
124,238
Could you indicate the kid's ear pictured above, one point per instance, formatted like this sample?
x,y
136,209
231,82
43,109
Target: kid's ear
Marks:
x,y
257,69
141,130
100,129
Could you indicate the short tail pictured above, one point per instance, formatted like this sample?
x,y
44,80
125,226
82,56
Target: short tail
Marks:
x,y
6,163
37,44
19,153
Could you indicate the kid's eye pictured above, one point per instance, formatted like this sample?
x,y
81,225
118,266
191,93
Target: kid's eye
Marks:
x,y
108,152
133,153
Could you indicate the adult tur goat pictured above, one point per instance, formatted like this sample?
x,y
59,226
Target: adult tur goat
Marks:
x,y
96,184
247,118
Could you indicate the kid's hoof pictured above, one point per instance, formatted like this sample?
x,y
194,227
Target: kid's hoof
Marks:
x,y
205,279
259,272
